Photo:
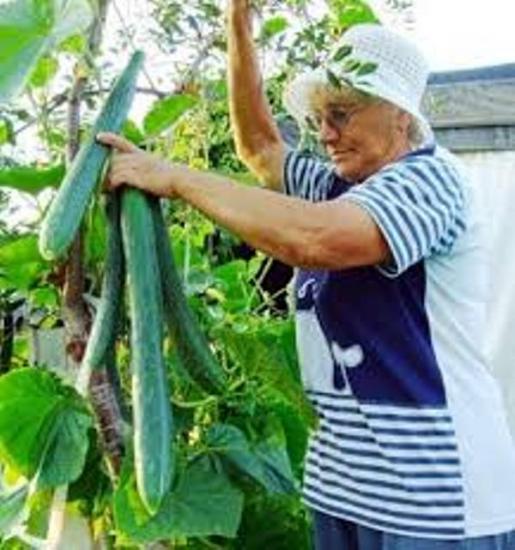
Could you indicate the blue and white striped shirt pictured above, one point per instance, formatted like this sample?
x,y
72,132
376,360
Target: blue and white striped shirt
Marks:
x,y
412,430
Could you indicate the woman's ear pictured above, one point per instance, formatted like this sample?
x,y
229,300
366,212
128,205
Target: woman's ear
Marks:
x,y
403,122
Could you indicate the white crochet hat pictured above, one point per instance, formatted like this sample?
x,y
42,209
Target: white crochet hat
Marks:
x,y
372,59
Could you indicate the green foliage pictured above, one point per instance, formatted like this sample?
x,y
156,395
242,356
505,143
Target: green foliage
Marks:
x,y
21,265
267,461
31,179
273,26
167,111
6,131
266,352
203,503
46,68
274,522
74,44
20,250
12,503
28,30
43,427
346,13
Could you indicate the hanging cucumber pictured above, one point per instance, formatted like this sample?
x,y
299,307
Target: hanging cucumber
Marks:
x,y
68,207
100,356
105,326
193,348
153,451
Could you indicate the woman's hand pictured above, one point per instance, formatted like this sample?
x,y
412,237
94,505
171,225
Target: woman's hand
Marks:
x,y
132,166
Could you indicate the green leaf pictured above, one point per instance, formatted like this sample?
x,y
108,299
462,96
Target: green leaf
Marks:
x,y
93,482
268,354
74,44
341,53
279,477
273,26
352,12
232,279
40,504
204,503
12,504
296,432
21,276
45,298
366,68
40,418
131,131
230,442
352,65
28,30
31,179
267,463
167,111
20,251
65,455
333,79
6,132
46,68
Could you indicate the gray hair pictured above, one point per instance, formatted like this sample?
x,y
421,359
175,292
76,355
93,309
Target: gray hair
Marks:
x,y
416,136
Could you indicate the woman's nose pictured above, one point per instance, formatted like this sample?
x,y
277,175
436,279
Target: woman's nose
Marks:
x,y
328,133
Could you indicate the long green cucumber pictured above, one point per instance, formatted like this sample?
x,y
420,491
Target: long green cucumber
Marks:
x,y
192,346
65,214
99,362
105,325
153,451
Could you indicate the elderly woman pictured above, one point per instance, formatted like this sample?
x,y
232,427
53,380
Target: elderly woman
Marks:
x,y
412,450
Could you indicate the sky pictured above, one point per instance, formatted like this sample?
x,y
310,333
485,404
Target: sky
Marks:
x,y
457,34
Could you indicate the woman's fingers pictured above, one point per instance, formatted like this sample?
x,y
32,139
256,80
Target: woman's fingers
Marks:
x,y
117,142
121,176
123,168
119,160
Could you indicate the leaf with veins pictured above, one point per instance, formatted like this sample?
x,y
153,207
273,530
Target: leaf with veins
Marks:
x,y
28,30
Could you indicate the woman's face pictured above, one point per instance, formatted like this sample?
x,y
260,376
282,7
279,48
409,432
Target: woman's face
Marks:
x,y
361,138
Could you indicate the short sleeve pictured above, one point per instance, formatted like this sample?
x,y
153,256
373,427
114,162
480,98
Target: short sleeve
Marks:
x,y
306,176
419,206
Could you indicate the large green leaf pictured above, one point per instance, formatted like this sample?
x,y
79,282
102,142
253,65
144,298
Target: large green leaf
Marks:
x,y
230,442
19,251
28,30
31,179
167,111
278,476
20,263
43,426
22,277
267,463
203,504
267,352
65,455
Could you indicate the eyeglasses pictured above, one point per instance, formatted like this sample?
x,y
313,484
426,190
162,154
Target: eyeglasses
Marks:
x,y
335,117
